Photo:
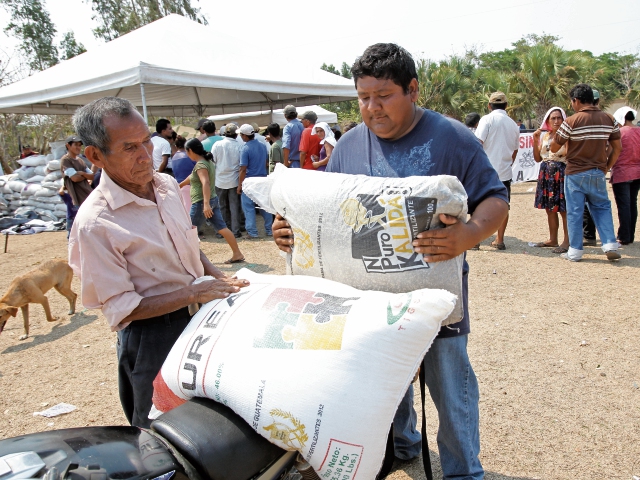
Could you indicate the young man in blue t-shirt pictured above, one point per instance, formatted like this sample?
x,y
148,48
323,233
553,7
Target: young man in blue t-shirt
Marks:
x,y
253,163
399,139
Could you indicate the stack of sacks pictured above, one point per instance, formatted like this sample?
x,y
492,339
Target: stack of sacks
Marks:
x,y
34,185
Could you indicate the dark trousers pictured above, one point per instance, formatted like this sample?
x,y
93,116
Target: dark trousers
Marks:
x,y
143,347
588,227
626,196
231,209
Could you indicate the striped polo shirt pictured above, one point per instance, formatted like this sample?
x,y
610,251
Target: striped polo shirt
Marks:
x,y
587,133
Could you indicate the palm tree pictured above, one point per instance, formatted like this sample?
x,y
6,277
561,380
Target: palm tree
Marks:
x,y
547,74
446,87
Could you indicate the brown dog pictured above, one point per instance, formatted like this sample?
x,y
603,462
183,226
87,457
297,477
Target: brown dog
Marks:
x,y
31,288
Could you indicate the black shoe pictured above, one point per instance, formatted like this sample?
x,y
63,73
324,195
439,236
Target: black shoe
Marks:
x,y
237,235
219,236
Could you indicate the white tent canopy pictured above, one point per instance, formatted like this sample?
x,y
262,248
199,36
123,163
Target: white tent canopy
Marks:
x,y
265,117
174,80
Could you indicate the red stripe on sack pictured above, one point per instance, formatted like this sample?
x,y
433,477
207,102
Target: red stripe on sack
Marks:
x,y
163,397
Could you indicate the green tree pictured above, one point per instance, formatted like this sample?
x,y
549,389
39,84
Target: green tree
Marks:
x,y
32,26
330,68
70,47
347,111
548,73
449,86
118,17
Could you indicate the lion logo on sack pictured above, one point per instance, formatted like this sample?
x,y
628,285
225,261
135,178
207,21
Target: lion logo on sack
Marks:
x,y
303,320
287,429
384,226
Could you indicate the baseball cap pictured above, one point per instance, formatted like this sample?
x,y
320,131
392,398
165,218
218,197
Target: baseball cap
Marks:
x,y
201,122
596,94
498,97
310,115
73,139
247,129
289,109
336,128
26,145
230,129
255,126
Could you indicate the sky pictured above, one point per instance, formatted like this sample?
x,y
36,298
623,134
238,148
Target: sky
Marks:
x,y
333,32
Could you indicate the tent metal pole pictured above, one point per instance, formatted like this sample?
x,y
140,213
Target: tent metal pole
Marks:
x,y
144,103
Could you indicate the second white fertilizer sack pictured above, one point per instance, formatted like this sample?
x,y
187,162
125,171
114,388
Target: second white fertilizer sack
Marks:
x,y
358,230
312,365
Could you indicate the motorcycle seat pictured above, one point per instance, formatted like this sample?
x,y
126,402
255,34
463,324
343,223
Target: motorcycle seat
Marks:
x,y
215,440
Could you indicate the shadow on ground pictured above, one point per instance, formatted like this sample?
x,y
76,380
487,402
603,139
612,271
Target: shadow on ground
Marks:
x,y
415,470
515,246
58,331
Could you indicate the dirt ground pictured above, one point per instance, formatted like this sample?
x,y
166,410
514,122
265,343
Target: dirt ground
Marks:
x,y
555,346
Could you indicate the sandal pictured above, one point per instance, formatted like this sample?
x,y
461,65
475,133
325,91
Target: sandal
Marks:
x,y
231,260
560,250
545,245
498,246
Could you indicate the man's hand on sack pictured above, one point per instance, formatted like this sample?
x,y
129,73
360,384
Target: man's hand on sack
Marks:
x,y
445,243
282,234
449,242
219,288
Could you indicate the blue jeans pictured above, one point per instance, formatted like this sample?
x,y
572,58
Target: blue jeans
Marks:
x,y
626,196
249,209
454,390
294,163
589,187
197,215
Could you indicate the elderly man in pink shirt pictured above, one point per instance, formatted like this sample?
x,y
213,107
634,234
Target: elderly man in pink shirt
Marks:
x,y
135,251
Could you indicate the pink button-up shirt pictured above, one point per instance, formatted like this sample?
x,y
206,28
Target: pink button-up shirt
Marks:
x,y
125,248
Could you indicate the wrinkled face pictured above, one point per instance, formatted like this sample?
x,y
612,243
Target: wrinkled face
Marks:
x,y
555,120
128,162
320,132
385,108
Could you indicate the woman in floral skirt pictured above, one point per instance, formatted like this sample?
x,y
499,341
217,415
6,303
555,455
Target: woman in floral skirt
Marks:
x,y
550,190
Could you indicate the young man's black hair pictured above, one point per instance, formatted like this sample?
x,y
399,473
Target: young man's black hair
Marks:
x,y
582,92
386,61
209,127
472,119
162,124
274,130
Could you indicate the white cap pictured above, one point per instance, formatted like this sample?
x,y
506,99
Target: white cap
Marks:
x,y
246,129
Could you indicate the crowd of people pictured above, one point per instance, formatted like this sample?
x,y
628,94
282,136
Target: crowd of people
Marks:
x,y
146,293
575,153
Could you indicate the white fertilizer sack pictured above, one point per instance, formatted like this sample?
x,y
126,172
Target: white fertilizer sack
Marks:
x,y
358,230
312,365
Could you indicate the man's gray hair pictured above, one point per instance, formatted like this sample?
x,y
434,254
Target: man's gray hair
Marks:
x,y
88,121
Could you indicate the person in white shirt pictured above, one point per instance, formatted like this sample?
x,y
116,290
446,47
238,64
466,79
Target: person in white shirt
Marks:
x,y
161,145
226,156
500,138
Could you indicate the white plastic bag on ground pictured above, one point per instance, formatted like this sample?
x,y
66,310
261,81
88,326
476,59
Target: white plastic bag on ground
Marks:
x,y
30,189
358,230
33,161
312,365
35,179
46,192
17,185
53,176
25,173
